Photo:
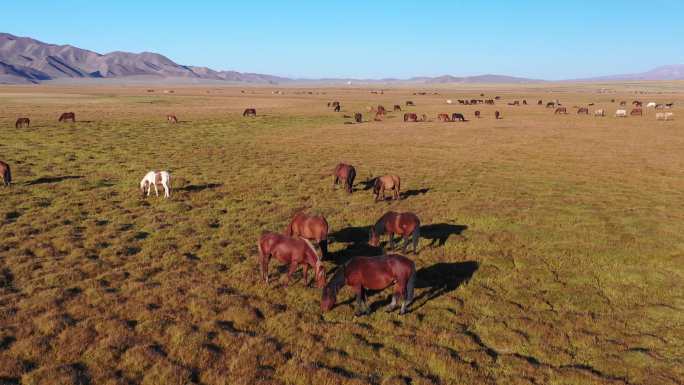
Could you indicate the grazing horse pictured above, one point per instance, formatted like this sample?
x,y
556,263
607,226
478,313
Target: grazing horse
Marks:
x,y
387,182
456,116
358,118
403,224
7,174
621,113
337,108
312,227
68,116
410,117
249,112
397,107
172,119
600,112
637,103
550,105
22,123
477,114
636,111
583,110
373,273
409,103
540,103
651,105
154,179
381,110
497,115
525,101
443,117
669,105
379,117
560,110
344,173
295,251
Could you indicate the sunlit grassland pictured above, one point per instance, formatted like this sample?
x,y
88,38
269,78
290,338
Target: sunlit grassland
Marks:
x,y
555,254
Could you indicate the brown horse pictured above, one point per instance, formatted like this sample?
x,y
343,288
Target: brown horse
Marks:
x,y
387,182
560,110
443,117
373,273
550,105
337,108
525,101
295,251
583,110
477,114
381,110
358,118
379,117
68,116
403,224
344,173
397,107
334,104
540,102
636,111
22,123
5,173
497,115
249,112
456,116
637,103
410,117
171,119
311,227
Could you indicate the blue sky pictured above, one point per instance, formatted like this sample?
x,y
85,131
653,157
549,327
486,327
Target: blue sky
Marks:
x,y
539,39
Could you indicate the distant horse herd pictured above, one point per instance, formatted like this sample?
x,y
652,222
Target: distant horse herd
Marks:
x,y
295,246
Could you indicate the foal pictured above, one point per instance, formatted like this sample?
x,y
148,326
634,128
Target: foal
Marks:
x,y
154,178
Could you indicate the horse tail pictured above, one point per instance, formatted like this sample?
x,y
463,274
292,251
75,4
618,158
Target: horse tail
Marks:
x,y
8,176
416,237
410,285
350,179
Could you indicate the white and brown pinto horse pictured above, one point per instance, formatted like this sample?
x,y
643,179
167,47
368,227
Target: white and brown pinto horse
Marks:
x,y
154,179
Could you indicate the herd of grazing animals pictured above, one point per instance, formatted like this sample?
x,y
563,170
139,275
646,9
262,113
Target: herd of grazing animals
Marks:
x,y
295,246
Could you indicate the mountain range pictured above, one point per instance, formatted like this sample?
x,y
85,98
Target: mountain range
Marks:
x,y
25,60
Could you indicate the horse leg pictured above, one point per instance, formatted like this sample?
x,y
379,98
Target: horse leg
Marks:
x,y
360,301
290,271
306,275
335,181
391,241
156,191
264,267
392,306
167,193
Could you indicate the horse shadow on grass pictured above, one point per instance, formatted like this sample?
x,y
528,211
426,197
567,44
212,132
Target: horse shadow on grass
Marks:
x,y
412,193
200,187
439,233
52,179
367,184
442,278
356,239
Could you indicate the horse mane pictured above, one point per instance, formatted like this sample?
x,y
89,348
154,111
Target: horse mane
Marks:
x,y
336,282
313,250
379,226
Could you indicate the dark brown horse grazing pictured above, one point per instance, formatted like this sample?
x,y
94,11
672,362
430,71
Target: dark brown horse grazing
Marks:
x,y
497,115
5,173
295,251
249,112
583,110
311,227
525,101
560,110
456,116
410,117
22,122
68,116
540,102
171,119
397,107
387,182
358,118
337,108
344,173
403,224
477,114
373,273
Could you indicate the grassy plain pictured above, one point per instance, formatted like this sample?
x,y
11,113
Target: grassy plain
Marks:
x,y
553,249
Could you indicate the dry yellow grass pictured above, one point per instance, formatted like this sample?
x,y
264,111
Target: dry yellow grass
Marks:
x,y
552,251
